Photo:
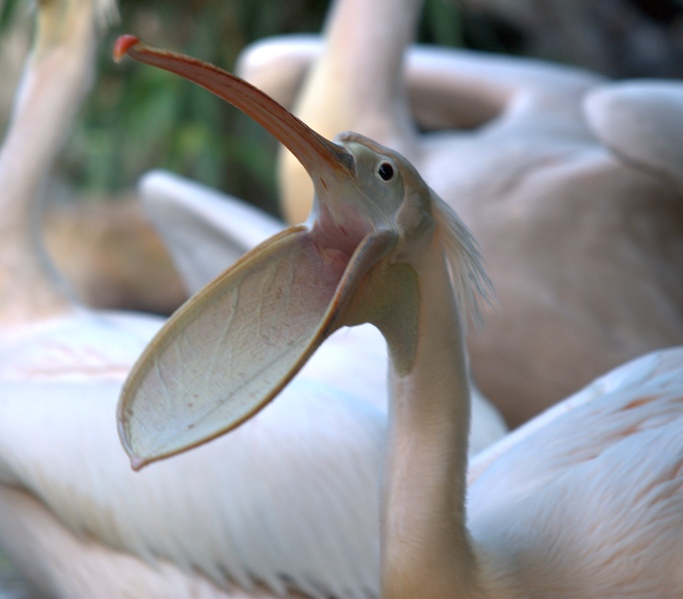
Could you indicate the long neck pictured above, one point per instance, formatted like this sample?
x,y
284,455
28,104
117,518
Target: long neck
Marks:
x,y
53,84
363,60
426,551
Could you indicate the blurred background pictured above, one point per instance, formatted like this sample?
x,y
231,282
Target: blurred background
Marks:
x,y
138,118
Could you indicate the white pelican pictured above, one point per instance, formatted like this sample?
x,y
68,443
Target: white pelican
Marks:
x,y
74,519
522,151
585,502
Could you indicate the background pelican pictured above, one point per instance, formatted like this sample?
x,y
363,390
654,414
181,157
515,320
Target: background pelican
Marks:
x,y
74,519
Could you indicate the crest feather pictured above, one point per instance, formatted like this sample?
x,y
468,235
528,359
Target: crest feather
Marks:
x,y
471,284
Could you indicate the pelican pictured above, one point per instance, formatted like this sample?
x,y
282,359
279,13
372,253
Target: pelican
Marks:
x,y
587,501
523,151
75,521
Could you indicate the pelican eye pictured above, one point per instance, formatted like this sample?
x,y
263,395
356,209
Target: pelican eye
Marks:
x,y
385,171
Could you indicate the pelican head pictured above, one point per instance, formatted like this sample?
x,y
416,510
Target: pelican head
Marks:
x,y
231,348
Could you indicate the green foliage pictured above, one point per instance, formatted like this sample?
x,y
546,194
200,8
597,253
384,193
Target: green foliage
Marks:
x,y
7,11
137,118
442,23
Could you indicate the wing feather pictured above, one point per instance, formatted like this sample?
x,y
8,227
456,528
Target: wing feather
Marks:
x,y
284,501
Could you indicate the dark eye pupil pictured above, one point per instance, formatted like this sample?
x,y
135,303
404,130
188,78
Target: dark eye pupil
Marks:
x,y
386,171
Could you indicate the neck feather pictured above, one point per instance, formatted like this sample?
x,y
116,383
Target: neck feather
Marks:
x,y
426,551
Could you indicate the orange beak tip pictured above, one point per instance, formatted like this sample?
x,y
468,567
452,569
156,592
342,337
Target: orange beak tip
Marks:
x,y
122,45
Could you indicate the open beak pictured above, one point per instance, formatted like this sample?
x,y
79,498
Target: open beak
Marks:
x,y
231,348
315,153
